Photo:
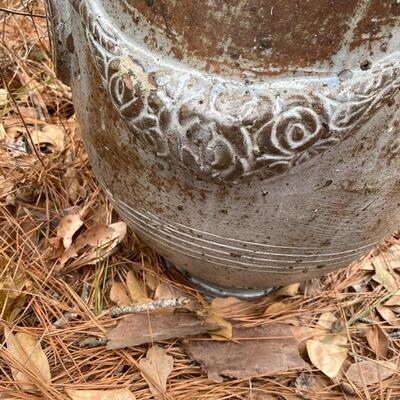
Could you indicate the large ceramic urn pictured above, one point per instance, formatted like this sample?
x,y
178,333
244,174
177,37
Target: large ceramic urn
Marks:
x,y
252,143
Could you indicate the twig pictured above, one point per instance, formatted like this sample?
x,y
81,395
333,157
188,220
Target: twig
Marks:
x,y
154,305
92,342
67,317
26,14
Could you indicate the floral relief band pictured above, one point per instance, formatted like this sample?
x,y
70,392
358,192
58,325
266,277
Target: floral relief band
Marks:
x,y
226,131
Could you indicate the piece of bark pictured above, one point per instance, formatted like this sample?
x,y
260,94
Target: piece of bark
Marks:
x,y
254,352
137,329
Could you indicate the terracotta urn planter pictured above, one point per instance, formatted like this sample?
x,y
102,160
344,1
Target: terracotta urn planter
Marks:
x,y
252,143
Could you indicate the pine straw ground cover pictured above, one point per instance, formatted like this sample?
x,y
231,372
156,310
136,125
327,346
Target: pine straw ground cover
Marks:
x,y
55,302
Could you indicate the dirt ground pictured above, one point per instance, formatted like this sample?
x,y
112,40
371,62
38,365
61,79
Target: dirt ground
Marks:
x,y
69,266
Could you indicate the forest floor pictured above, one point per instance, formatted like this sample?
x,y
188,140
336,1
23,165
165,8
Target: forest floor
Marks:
x,y
68,265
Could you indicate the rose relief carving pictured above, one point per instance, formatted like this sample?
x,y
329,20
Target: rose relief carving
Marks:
x,y
225,131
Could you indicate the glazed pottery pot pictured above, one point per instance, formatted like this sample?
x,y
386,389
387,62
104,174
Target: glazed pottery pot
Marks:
x,y
252,143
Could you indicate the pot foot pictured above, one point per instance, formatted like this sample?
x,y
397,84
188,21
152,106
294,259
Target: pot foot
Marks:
x,y
211,290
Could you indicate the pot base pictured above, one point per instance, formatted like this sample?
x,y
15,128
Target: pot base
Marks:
x,y
211,290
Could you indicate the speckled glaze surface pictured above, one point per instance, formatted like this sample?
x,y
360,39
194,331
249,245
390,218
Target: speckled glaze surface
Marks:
x,y
253,143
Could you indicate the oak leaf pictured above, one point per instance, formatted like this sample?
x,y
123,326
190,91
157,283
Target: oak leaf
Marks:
x,y
155,369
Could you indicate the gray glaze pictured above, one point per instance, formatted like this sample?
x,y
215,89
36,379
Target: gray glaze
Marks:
x,y
243,175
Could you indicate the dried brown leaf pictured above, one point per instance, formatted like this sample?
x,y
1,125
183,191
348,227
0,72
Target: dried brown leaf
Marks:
x,y
225,328
51,135
119,295
3,98
289,291
370,372
394,300
326,320
6,187
383,275
302,333
257,351
328,357
388,315
116,394
136,290
13,288
393,256
67,227
137,329
75,188
27,352
378,341
155,369
276,309
228,307
95,244
164,291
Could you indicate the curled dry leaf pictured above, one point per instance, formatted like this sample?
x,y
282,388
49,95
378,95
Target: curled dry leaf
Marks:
x,y
51,135
13,288
67,227
164,291
119,295
370,372
75,188
257,351
136,290
383,275
155,369
326,320
378,341
276,309
229,307
117,394
137,329
326,355
224,330
394,300
302,333
289,291
27,352
95,244
388,315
